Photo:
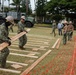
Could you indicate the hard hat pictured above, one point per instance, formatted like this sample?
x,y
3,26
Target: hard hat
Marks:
x,y
23,17
9,18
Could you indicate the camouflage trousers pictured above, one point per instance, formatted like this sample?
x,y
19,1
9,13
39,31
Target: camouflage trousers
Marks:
x,y
64,38
3,57
53,31
70,33
22,40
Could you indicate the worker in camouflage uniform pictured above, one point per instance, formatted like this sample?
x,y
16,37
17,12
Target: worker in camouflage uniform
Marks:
x,y
70,31
21,26
54,27
11,28
4,38
65,33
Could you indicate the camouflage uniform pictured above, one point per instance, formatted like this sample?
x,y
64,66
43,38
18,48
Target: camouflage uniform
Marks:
x,y
3,38
11,28
23,39
65,34
53,28
70,31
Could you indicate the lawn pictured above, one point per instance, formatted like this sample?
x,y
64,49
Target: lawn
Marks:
x,y
57,62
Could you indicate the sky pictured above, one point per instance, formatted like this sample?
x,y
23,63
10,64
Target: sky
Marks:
x,y
32,3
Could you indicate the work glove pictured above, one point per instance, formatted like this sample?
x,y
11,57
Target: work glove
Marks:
x,y
25,31
9,38
8,41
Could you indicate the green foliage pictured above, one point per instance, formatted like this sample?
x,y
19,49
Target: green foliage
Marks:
x,y
21,6
57,17
40,8
17,2
61,6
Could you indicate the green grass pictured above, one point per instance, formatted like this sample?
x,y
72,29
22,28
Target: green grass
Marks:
x,y
54,59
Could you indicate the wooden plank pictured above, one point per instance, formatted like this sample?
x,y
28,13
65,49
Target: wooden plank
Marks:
x,y
39,36
38,43
3,45
24,55
35,63
27,47
32,54
12,62
23,51
29,61
58,44
33,45
35,49
9,70
55,43
16,66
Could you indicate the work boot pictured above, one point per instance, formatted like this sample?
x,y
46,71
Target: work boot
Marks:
x,y
22,48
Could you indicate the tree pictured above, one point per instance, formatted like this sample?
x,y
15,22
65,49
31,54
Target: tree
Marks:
x,y
26,7
62,7
17,4
40,11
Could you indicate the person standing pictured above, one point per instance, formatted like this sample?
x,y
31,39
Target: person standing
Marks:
x,y
54,27
70,31
65,28
21,28
4,38
60,26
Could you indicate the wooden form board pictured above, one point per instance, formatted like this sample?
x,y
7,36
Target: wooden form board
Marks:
x,y
12,62
55,43
9,70
29,47
24,51
35,63
31,56
58,44
16,66
3,45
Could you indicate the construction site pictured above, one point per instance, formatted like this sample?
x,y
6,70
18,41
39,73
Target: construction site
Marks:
x,y
44,54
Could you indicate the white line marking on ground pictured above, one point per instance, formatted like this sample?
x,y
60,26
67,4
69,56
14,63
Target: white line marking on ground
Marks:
x,y
12,62
24,55
9,70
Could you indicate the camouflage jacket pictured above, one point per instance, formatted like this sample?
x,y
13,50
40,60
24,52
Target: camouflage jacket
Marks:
x,y
54,25
21,27
3,32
